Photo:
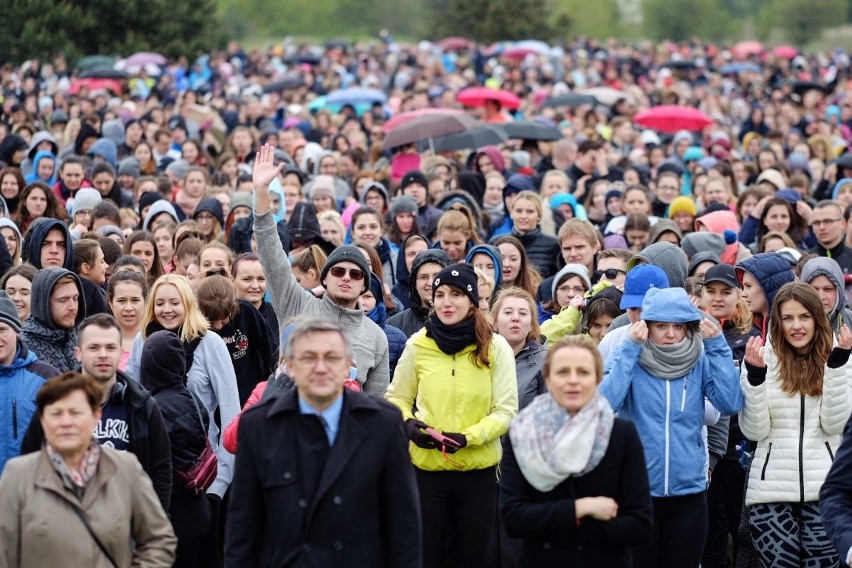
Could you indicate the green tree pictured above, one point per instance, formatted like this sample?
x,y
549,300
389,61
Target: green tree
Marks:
x,y
682,19
46,27
573,17
801,20
490,20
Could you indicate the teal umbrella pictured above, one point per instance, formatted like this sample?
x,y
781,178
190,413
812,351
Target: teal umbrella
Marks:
x,y
95,61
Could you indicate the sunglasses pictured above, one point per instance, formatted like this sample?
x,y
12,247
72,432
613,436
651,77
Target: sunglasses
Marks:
x,y
340,272
610,273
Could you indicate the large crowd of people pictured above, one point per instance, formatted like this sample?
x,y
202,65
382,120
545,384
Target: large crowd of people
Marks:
x,y
253,312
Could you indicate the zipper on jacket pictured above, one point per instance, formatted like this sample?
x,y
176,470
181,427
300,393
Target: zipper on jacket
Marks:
x,y
454,364
765,463
801,448
15,419
683,396
668,413
830,453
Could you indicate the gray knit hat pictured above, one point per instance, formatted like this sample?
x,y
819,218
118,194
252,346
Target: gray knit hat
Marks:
x,y
571,270
346,253
402,204
85,200
8,312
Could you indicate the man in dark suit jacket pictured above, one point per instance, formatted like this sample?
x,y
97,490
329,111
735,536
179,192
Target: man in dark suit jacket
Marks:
x,y
322,476
835,499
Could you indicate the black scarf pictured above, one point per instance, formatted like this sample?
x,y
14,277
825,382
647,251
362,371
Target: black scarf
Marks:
x,y
451,338
188,346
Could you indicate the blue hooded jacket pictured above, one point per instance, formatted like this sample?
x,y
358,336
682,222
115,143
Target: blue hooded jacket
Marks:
x,y
19,383
33,176
669,413
771,270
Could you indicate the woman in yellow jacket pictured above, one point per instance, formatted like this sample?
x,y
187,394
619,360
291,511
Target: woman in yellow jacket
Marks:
x,y
460,377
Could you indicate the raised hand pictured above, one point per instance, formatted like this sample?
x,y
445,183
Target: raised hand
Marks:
x,y
844,338
754,352
265,170
639,331
708,329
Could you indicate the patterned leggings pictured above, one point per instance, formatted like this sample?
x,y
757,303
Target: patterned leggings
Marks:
x,y
791,535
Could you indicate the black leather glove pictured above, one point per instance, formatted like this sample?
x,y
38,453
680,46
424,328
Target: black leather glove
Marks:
x,y
414,429
462,442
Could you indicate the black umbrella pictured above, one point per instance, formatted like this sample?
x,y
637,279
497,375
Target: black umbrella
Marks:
x,y
802,87
682,65
845,161
430,126
337,43
469,139
308,58
529,130
288,83
570,100
102,72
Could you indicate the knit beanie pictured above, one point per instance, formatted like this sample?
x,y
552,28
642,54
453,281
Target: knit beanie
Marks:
x,y
242,199
461,277
323,186
703,256
402,204
85,200
413,176
8,312
346,253
682,204
179,168
838,186
612,194
149,198
567,271
516,184
129,167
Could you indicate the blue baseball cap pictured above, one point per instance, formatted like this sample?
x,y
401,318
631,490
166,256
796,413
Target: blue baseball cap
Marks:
x,y
639,280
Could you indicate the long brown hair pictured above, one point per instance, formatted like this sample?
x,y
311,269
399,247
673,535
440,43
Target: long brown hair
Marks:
x,y
801,373
528,277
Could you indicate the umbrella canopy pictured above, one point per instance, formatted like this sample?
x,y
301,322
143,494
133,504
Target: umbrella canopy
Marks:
x,y
134,69
607,95
95,61
469,139
102,73
802,87
533,45
95,84
455,43
405,117
518,53
529,130
744,49
671,118
739,67
476,97
356,95
145,57
430,126
286,83
786,51
570,100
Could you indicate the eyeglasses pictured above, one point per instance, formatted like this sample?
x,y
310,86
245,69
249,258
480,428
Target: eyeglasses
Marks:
x,y
609,273
204,217
312,359
340,272
577,290
824,222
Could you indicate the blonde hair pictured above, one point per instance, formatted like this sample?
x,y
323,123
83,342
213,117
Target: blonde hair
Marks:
x,y
457,221
529,196
194,324
515,292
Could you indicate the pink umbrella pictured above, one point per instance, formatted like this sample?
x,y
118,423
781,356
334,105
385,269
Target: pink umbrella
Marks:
x,y
744,49
518,53
786,51
402,118
143,57
455,43
671,118
95,84
476,97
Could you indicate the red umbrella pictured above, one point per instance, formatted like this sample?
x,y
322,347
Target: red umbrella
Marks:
x,y
455,43
786,51
518,53
476,97
95,84
745,48
405,117
670,118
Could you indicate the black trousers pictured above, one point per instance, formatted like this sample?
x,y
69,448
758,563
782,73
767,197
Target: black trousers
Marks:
x,y
190,515
724,506
680,529
458,506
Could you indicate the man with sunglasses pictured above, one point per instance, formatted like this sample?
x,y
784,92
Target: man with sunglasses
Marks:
x,y
345,277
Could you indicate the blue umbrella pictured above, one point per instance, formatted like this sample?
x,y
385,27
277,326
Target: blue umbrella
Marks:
x,y
743,67
356,95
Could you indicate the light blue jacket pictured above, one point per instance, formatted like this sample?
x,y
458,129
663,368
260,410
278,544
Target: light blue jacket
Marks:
x,y
669,414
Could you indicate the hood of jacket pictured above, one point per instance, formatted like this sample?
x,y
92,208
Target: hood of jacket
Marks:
x,y
828,267
9,147
669,305
86,131
303,224
402,273
43,284
436,256
163,363
496,258
278,189
720,222
6,222
770,269
105,148
40,155
493,152
666,256
38,138
35,237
